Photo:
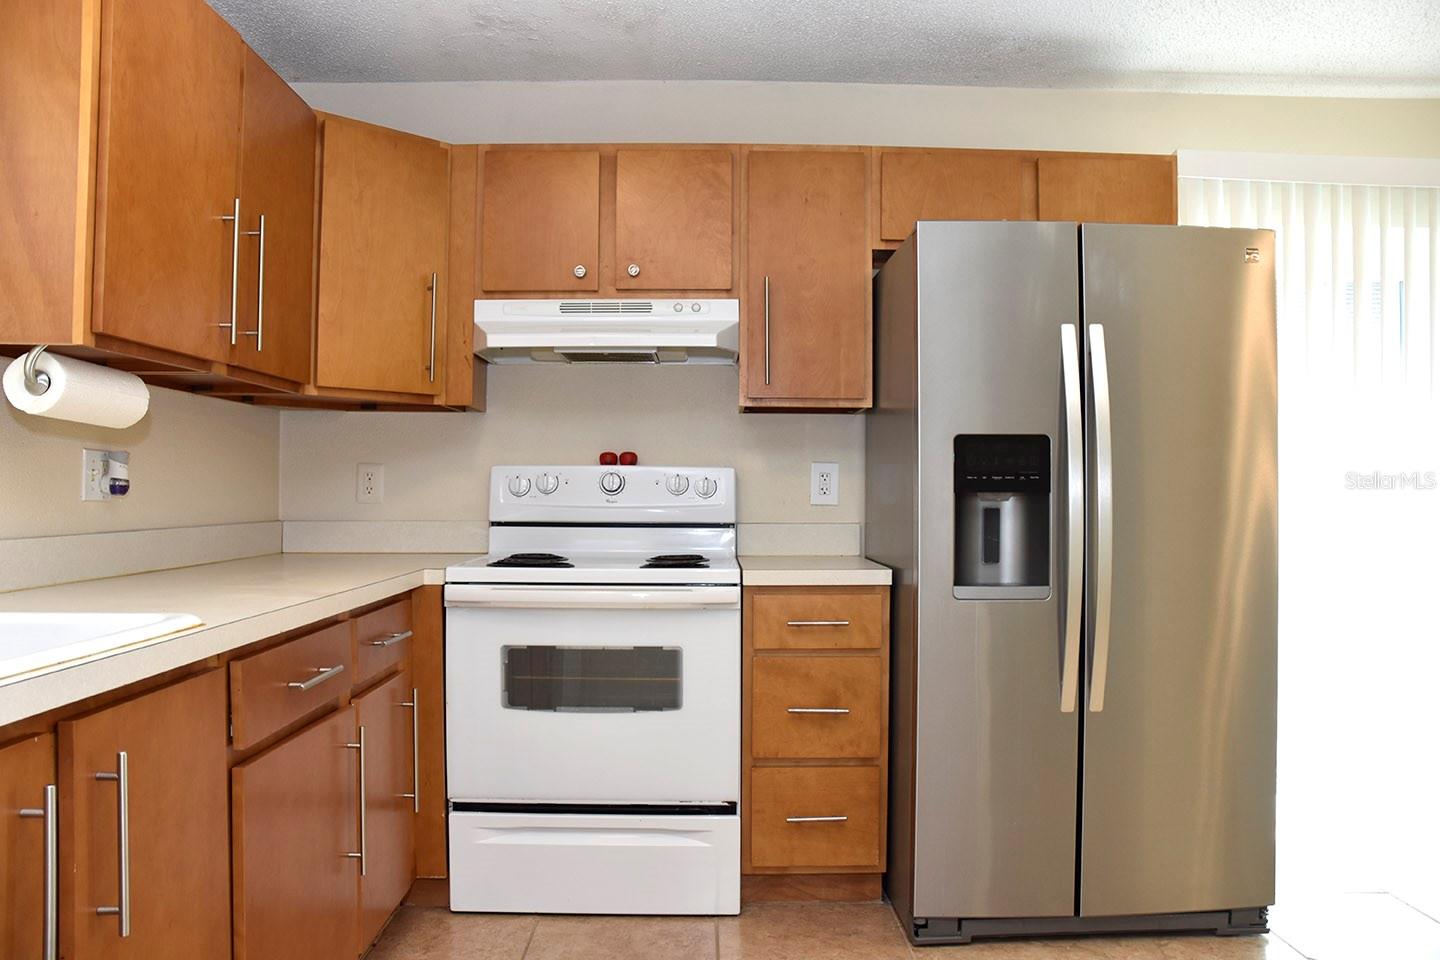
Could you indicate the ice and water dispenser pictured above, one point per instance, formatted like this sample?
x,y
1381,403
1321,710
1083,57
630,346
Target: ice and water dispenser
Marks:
x,y
1002,517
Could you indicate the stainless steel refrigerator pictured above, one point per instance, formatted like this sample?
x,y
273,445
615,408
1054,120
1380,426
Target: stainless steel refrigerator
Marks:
x,y
1071,467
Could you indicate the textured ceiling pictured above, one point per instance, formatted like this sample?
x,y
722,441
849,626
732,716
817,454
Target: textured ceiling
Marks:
x,y
1320,47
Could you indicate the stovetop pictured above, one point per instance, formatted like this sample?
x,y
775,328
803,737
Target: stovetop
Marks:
x,y
716,566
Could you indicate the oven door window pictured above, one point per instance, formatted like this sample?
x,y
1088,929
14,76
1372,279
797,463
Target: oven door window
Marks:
x,y
592,679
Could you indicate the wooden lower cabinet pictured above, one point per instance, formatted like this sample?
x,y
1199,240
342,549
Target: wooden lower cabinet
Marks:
x,y
295,828
164,753
815,741
386,719
27,775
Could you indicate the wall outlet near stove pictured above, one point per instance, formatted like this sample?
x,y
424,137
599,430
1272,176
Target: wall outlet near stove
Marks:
x,y
824,484
369,482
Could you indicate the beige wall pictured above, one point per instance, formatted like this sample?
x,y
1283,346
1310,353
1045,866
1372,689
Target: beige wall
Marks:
x,y
437,466
894,115
193,461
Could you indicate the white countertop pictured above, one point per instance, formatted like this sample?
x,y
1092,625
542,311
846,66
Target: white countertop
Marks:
x,y
238,601
812,572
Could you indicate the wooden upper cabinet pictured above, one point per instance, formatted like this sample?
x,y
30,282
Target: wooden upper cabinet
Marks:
x,y
540,220
952,185
386,716
27,768
169,145
806,339
674,227
384,235
295,812
1108,188
277,185
167,752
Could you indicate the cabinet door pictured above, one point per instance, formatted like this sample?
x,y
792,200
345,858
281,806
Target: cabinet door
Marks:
x,y
27,804
540,220
950,185
277,193
384,222
295,831
386,717
673,223
164,754
1108,189
807,305
166,175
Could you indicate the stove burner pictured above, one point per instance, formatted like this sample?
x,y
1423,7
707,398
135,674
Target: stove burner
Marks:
x,y
531,560
676,561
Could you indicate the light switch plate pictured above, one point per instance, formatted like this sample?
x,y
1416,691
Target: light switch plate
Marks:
x,y
824,484
369,482
92,475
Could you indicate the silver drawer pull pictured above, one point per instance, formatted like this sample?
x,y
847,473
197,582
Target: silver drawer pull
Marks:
x,y
321,675
363,855
121,778
816,819
817,709
817,623
393,639
52,875
414,705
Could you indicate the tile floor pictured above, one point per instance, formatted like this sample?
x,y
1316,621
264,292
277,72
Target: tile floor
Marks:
x,y
1385,929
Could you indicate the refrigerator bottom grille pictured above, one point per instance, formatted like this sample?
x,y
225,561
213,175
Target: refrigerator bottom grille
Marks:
x,y
1225,923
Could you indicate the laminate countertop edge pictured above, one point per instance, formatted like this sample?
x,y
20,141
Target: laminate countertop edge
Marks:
x,y
817,571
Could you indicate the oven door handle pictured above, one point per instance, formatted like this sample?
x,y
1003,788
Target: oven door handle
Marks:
x,y
603,597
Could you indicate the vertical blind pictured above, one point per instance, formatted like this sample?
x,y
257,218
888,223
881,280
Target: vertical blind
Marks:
x,y
1358,278
1358,292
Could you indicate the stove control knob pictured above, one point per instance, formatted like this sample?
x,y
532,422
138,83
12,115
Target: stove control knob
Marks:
x,y
677,484
611,483
547,483
706,488
519,486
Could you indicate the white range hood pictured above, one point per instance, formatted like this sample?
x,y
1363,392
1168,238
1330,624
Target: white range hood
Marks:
x,y
607,331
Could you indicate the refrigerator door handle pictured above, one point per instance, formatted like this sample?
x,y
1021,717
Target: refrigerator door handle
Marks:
x,y
1074,516
1104,532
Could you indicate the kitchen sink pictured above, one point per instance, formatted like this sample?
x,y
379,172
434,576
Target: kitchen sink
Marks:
x,y
37,641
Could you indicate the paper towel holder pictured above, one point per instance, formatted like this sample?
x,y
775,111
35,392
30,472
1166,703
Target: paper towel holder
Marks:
x,y
36,381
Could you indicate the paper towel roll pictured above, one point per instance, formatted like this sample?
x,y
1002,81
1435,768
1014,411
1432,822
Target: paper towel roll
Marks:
x,y
79,391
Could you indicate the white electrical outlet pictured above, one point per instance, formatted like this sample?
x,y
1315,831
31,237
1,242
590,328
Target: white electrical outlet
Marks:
x,y
825,484
369,483
92,475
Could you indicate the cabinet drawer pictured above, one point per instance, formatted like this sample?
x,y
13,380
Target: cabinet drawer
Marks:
x,y
815,817
816,706
817,620
382,639
272,689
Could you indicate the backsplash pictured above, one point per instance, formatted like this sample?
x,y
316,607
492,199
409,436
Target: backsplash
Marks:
x,y
437,466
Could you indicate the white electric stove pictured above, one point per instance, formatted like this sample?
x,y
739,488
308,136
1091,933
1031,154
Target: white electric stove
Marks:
x,y
593,695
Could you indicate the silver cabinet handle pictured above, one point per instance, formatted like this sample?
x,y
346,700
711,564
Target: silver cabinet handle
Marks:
x,y
817,623
434,292
414,704
767,331
393,639
52,873
1074,518
633,270
579,270
364,849
121,776
1104,516
234,220
321,675
259,332
817,710
816,819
